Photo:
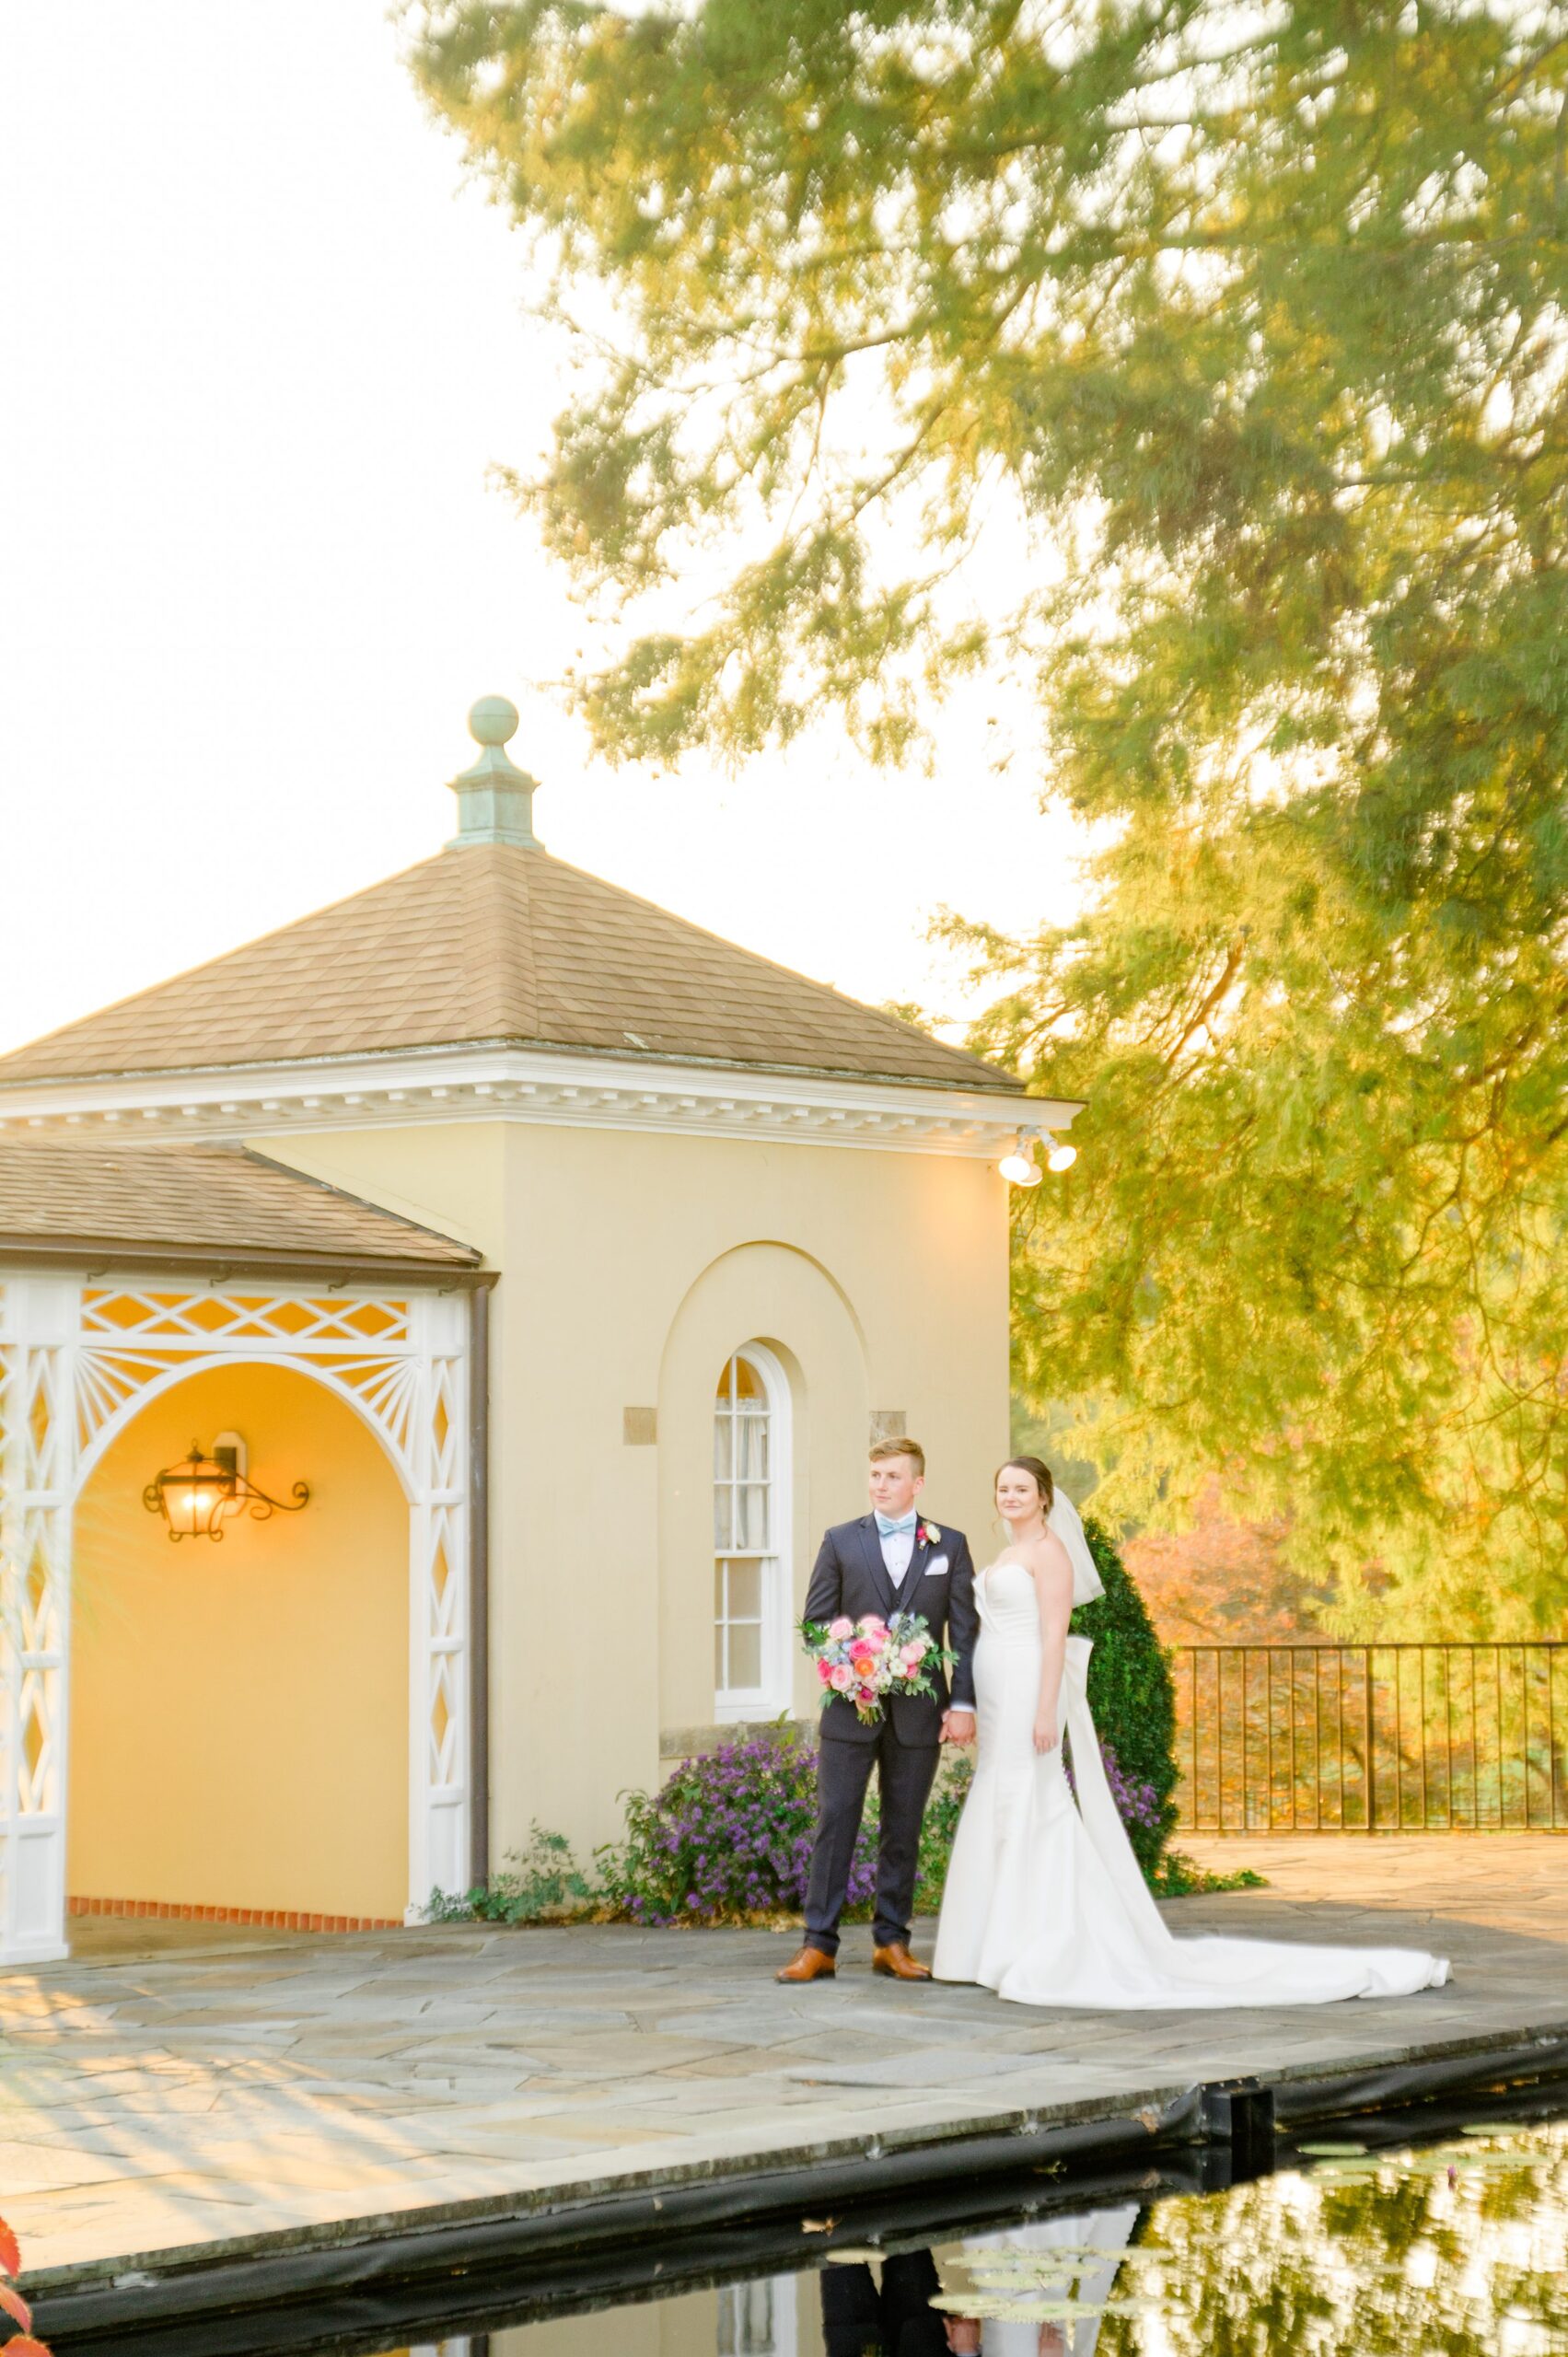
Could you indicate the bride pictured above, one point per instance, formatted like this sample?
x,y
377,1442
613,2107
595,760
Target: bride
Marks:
x,y
1045,1901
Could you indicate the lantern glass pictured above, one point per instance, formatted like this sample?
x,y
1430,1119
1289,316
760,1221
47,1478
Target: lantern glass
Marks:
x,y
193,1494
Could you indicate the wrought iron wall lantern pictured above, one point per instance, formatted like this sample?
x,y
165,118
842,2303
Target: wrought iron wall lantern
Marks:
x,y
195,1496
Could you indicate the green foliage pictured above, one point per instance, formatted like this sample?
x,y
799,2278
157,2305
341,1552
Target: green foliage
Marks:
x,y
1131,1693
1399,2252
943,1811
536,1885
1180,1876
1202,372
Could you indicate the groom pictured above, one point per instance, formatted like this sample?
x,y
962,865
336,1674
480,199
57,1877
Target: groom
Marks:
x,y
892,1560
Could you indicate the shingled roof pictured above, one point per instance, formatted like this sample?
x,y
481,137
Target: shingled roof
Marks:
x,y
492,942
203,1202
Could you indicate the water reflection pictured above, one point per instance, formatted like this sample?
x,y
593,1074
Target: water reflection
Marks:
x,y
1042,2289
1457,2249
888,2312
758,2319
1461,2249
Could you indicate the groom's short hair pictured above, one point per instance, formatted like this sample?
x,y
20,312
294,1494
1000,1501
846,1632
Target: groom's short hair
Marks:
x,y
910,1448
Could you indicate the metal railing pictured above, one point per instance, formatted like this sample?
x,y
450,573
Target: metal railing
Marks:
x,y
1398,1738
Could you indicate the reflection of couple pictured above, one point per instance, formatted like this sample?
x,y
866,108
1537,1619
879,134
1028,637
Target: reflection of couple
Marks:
x,y
1056,2259
1045,1902
894,2318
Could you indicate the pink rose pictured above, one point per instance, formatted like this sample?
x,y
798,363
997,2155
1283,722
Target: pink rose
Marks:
x,y
870,1626
862,1654
842,1627
842,1678
824,1672
867,1694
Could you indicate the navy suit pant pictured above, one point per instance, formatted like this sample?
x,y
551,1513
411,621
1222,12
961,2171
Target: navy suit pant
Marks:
x,y
905,1773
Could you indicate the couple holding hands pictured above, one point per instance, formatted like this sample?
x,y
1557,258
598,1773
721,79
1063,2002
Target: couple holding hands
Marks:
x,y
1044,1902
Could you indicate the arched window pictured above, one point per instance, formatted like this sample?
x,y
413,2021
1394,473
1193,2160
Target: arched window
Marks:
x,y
751,1648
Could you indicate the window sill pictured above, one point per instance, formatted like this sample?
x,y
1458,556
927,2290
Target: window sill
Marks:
x,y
689,1743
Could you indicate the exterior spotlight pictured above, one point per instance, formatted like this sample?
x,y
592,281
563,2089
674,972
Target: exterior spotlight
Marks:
x,y
1061,1157
194,1496
1017,1169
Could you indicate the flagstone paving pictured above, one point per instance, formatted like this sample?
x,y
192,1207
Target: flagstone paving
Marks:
x,y
162,2091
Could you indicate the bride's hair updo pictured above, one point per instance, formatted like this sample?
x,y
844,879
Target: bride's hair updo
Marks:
x,y
1038,1472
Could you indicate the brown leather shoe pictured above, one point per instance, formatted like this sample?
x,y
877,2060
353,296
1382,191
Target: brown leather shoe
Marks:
x,y
810,1964
898,1964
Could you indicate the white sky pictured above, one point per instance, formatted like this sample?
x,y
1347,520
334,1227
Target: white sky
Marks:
x,y
262,347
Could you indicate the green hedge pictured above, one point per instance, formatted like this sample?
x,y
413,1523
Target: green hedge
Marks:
x,y
1130,1692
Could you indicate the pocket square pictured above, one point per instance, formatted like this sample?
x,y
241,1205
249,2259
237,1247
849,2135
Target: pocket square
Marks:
x,y
936,1569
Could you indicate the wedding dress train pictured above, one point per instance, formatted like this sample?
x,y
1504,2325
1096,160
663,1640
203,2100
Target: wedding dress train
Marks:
x,y
1045,1901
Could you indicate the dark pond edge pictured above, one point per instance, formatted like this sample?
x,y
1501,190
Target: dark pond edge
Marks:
x,y
592,2226
372,2319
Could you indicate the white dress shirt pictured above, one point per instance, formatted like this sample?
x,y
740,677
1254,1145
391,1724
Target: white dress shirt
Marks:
x,y
897,1552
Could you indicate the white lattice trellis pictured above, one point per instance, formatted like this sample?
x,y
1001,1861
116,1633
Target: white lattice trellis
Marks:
x,y
77,1362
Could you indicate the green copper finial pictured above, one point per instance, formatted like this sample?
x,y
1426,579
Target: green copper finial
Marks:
x,y
494,797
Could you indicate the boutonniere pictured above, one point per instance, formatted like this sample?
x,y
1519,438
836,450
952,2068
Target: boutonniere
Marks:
x,y
928,1535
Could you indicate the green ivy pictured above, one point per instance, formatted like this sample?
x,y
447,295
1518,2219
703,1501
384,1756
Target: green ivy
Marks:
x,y
1130,1692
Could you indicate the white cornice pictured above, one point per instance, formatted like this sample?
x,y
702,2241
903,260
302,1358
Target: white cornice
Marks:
x,y
524,1084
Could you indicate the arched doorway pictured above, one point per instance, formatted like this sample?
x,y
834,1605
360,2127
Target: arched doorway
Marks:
x,y
239,1712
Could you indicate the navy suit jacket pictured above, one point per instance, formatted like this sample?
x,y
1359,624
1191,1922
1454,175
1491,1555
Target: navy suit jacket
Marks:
x,y
849,1576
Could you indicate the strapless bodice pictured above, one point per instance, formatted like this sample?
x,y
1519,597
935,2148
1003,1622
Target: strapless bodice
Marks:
x,y
1006,1599
1008,1605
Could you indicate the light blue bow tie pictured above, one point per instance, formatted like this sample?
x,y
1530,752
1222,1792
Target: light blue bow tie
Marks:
x,y
887,1528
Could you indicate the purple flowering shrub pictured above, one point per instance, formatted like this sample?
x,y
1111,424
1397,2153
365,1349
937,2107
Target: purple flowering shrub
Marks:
x,y
1137,1803
728,1837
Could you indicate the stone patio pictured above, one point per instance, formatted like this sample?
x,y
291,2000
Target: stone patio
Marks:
x,y
171,2090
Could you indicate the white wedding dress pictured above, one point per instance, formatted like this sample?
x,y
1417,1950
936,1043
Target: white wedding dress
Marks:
x,y
1072,2259
1045,1901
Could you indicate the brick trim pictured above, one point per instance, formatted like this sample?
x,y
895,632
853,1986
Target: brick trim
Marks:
x,y
274,1919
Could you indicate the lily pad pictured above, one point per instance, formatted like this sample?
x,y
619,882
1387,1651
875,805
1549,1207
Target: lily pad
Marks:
x,y
1053,2258
1494,2128
988,2306
1334,2151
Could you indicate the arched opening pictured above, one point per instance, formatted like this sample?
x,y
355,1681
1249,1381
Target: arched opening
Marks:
x,y
240,1710
774,1304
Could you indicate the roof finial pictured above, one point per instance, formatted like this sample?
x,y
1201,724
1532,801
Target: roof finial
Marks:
x,y
494,797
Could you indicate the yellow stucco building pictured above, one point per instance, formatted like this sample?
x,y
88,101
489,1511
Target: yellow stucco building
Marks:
x,y
567,1256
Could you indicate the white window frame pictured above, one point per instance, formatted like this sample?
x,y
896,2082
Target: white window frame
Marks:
x,y
782,2324
732,1704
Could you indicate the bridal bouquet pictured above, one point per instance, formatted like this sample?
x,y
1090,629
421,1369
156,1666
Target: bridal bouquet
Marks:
x,y
868,1659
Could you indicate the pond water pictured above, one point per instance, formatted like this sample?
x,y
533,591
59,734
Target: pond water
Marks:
x,y
1436,2236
